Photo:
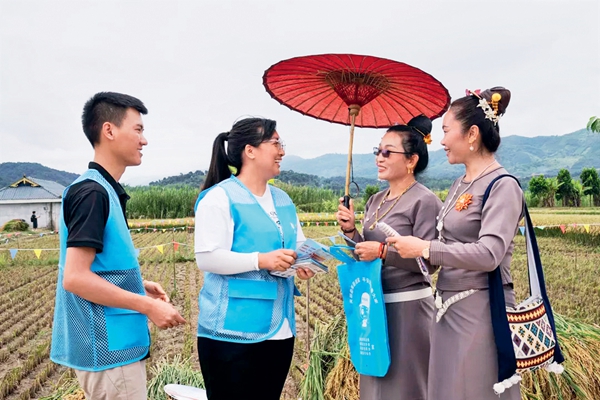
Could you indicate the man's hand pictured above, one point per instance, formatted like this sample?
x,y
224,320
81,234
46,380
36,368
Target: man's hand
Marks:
x,y
155,290
164,315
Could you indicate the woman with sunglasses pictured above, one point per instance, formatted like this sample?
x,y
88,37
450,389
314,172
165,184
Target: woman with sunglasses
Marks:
x,y
246,229
473,240
409,208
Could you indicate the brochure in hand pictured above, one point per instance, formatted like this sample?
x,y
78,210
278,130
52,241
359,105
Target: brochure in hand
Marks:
x,y
391,232
311,255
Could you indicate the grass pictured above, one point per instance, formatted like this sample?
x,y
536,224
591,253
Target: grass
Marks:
x,y
173,370
571,275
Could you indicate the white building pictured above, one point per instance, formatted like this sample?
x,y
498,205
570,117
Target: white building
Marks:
x,y
18,200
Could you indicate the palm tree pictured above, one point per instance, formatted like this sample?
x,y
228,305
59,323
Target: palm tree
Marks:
x,y
594,124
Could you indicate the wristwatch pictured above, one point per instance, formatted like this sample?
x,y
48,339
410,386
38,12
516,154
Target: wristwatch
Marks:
x,y
425,253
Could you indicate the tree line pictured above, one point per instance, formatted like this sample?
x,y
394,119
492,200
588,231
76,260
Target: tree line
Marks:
x,y
564,190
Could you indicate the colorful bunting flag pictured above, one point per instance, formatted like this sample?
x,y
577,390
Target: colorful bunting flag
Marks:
x,y
587,228
13,253
522,230
37,252
332,238
563,228
160,248
137,253
175,246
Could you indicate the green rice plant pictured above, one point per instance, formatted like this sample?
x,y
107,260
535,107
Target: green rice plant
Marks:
x,y
66,385
311,199
175,370
161,202
327,344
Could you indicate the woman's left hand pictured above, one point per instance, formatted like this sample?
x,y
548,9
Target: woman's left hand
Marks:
x,y
304,274
367,251
408,246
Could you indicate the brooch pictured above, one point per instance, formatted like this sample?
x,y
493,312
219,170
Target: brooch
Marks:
x,y
463,202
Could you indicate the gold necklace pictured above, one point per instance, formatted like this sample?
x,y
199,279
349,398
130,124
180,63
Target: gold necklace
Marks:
x,y
376,213
449,205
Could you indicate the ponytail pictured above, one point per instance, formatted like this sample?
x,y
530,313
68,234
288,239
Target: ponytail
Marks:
x,y
219,163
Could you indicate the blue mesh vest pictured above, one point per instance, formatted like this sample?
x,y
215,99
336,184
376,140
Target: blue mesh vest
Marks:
x,y
251,306
88,336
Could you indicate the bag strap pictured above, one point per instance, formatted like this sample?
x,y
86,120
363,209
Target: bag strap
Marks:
x,y
507,363
529,233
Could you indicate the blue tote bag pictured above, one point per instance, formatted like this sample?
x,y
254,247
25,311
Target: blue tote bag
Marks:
x,y
360,283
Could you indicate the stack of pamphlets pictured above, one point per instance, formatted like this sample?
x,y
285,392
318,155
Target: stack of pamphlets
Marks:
x,y
311,255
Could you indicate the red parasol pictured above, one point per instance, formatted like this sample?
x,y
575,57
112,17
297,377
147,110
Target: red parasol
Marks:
x,y
355,90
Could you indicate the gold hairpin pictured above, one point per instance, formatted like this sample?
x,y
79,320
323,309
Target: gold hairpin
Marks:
x,y
426,138
496,97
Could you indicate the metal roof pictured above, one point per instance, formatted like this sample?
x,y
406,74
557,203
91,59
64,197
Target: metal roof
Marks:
x,y
25,191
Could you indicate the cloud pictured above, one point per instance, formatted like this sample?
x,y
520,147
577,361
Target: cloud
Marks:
x,y
198,67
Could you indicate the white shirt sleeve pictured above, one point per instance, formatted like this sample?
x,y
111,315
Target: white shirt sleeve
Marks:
x,y
213,237
300,238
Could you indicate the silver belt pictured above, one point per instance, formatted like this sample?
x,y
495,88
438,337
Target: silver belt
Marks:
x,y
401,297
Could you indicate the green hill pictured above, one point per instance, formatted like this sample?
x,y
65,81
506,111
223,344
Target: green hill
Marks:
x,y
195,178
13,171
521,156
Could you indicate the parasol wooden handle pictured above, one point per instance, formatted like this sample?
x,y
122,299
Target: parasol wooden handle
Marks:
x,y
353,110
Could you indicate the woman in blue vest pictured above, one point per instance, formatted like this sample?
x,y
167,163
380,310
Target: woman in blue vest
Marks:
x,y
245,229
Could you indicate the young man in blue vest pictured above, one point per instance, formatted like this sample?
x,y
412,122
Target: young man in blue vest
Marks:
x,y
102,304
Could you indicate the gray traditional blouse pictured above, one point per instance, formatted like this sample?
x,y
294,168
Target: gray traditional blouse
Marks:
x,y
476,241
413,214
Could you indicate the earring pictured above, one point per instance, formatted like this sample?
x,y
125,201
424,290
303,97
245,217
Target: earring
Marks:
x,y
471,148
410,170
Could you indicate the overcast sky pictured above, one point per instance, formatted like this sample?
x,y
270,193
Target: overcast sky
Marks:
x,y
198,67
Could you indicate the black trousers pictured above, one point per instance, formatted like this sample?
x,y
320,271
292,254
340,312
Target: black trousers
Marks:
x,y
245,370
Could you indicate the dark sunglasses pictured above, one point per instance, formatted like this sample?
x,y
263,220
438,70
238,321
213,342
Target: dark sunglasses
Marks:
x,y
386,153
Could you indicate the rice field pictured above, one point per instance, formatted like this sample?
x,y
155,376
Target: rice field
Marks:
x,y
27,285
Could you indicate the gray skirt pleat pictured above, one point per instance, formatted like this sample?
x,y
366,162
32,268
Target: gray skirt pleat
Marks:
x,y
463,363
409,326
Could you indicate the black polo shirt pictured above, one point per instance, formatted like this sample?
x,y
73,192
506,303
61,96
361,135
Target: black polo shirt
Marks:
x,y
86,207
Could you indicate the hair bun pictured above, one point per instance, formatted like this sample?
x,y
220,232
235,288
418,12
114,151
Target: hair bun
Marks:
x,y
504,99
422,123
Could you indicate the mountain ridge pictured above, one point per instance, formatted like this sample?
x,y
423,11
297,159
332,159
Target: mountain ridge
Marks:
x,y
520,155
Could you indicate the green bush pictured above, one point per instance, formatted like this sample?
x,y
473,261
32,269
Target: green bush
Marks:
x,y
15,225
